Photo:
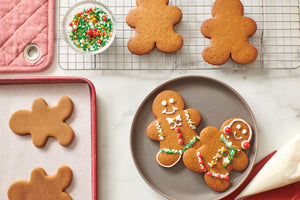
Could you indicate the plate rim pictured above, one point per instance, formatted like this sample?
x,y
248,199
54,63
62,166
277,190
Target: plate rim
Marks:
x,y
170,81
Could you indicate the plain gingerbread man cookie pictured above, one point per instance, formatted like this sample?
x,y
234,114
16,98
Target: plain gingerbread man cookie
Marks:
x,y
43,121
229,32
220,152
174,128
154,22
42,187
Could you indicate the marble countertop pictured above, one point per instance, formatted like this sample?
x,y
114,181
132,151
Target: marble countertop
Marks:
x,y
273,96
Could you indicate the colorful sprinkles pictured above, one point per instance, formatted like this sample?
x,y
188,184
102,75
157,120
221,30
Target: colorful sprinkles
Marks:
x,y
91,29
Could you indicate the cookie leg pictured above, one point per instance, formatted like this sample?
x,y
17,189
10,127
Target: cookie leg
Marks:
x,y
170,43
218,184
245,55
216,55
191,160
140,45
167,160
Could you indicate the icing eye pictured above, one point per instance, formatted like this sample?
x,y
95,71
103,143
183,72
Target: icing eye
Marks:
x,y
244,131
238,126
164,103
172,100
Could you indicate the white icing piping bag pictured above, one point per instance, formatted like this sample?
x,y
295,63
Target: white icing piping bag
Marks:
x,y
281,170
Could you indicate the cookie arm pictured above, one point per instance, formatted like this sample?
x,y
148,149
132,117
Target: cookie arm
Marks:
x,y
195,116
152,131
207,27
132,17
174,14
250,24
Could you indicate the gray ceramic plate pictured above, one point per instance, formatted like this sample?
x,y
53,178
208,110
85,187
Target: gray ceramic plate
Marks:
x,y
216,102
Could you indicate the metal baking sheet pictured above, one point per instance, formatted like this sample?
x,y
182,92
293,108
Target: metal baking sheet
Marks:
x,y
18,154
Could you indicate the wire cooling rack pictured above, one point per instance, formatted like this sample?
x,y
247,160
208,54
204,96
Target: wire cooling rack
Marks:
x,y
277,38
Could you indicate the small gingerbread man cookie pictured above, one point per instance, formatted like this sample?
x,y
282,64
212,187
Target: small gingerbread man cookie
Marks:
x,y
154,22
43,121
42,187
229,31
220,152
175,127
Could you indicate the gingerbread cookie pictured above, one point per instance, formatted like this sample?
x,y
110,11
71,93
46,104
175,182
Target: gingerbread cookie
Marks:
x,y
229,32
43,121
220,152
174,128
154,22
41,186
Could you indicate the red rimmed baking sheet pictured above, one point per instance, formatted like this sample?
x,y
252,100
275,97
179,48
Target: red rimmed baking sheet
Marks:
x,y
21,156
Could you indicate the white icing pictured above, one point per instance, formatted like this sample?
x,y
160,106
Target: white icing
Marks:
x,y
167,166
238,138
189,120
238,126
244,131
171,100
160,132
164,103
170,113
243,121
175,121
215,174
200,159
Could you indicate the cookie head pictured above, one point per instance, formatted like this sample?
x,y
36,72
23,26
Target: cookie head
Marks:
x,y
240,130
167,103
150,2
225,6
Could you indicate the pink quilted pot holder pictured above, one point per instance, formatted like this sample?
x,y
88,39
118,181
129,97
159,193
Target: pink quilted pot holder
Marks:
x,y
26,35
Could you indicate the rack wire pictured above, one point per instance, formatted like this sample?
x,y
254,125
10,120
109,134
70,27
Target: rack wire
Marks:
x,y
277,38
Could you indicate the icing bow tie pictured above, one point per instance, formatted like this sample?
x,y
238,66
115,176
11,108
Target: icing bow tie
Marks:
x,y
174,119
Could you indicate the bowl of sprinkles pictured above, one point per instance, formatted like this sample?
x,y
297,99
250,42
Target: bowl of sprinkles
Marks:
x,y
88,27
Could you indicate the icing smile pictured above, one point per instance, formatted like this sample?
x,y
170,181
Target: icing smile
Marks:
x,y
169,113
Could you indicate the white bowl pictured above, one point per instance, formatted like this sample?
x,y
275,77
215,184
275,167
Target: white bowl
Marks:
x,y
79,7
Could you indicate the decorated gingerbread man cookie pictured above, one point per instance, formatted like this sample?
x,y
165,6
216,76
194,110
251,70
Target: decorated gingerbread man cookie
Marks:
x,y
229,31
43,121
220,152
174,128
41,186
154,22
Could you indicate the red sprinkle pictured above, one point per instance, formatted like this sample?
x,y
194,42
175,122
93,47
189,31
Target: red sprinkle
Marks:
x,y
209,173
218,176
94,35
99,41
179,135
73,30
97,33
203,169
95,29
85,18
180,141
177,129
227,129
201,162
81,13
89,32
104,18
71,24
246,145
226,177
90,38
199,155
87,11
91,9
